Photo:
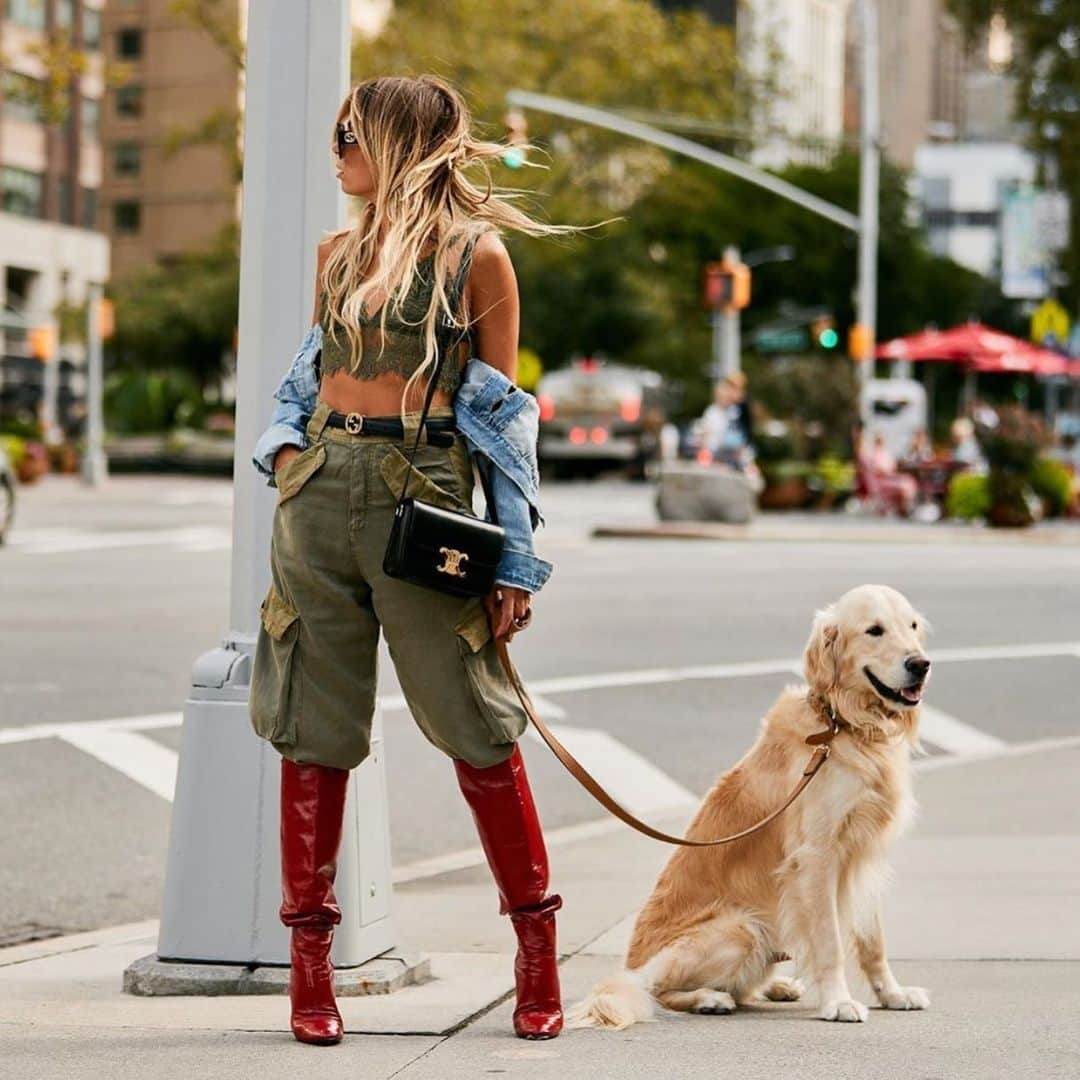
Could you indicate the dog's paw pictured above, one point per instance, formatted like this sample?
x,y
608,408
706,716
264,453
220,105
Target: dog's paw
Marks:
x,y
846,1012
783,989
905,997
713,1003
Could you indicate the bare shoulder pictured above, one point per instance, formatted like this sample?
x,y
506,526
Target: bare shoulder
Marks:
x,y
329,242
491,274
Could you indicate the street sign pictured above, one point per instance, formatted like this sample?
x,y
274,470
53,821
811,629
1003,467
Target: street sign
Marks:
x,y
1050,324
791,339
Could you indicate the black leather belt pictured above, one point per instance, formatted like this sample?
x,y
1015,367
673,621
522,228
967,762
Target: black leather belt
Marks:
x,y
440,429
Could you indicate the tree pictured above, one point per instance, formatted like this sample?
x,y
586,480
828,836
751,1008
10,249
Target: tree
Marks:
x,y
181,315
1046,63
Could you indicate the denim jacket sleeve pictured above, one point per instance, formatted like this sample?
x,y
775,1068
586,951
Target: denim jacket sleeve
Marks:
x,y
500,423
295,397
519,566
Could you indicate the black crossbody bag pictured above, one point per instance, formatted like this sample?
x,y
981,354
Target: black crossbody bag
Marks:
x,y
437,548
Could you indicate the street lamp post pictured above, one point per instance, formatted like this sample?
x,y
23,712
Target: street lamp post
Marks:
x,y
869,185
95,467
220,930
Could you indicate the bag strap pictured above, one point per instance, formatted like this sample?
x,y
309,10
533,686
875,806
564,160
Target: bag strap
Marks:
x,y
820,741
433,381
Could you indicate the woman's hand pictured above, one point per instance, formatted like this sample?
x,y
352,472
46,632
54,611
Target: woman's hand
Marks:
x,y
504,604
286,453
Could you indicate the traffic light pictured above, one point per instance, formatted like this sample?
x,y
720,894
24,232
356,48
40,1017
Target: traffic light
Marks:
x,y
517,135
824,333
726,286
859,345
42,342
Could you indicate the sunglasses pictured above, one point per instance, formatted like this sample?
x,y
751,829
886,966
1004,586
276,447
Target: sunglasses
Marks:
x,y
346,137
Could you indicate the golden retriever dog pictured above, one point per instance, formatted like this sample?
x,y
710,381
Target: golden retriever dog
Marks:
x,y
807,885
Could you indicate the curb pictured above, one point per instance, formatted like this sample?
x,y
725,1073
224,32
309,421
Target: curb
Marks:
x,y
927,534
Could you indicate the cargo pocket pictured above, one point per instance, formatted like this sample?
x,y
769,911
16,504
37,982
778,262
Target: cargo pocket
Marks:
x,y
491,687
436,481
298,470
274,684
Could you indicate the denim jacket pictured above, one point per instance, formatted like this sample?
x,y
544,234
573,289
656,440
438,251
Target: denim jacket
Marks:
x,y
499,423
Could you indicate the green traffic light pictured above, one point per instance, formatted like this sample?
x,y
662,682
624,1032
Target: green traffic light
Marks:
x,y
829,339
514,157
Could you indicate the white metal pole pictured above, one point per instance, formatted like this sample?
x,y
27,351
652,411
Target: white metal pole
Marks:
x,y
869,184
223,884
95,467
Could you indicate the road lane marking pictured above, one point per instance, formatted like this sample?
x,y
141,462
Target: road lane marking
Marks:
x,y
954,736
141,759
67,541
631,779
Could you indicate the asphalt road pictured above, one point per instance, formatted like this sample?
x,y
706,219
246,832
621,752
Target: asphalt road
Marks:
x,y
108,597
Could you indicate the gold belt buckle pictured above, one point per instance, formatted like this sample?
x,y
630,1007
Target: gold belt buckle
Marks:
x,y
354,423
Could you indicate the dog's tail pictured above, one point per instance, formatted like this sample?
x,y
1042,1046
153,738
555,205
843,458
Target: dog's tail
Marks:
x,y
615,1003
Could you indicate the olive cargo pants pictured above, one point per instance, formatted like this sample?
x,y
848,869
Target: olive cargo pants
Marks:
x,y
314,672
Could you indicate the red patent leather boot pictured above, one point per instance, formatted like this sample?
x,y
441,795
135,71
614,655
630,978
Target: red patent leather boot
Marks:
x,y
502,804
312,813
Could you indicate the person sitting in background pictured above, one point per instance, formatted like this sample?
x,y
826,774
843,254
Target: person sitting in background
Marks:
x,y
884,481
965,447
920,449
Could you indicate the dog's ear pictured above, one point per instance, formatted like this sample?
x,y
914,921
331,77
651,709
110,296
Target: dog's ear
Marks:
x,y
820,659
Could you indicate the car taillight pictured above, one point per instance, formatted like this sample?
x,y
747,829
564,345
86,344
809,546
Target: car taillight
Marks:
x,y
630,409
598,435
577,435
547,407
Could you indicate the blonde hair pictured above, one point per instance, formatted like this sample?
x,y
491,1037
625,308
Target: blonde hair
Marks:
x,y
415,133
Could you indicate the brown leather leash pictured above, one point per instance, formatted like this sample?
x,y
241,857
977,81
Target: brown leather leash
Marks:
x,y
820,741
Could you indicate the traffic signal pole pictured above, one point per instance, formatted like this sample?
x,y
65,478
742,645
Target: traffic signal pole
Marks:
x,y
220,931
869,185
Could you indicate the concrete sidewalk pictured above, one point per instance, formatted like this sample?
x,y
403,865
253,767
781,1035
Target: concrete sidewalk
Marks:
x,y
982,913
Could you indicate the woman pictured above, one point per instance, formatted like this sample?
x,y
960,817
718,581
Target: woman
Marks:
x,y
426,258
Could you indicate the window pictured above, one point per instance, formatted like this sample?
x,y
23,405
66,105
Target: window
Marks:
x,y
91,28
22,98
129,101
65,14
127,159
28,13
89,206
64,200
127,217
129,44
21,191
91,117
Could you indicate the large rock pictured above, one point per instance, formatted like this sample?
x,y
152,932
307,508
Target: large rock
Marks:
x,y
687,491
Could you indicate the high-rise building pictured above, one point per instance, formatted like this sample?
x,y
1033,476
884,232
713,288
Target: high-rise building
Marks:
x,y
50,175
165,191
934,86
170,157
799,45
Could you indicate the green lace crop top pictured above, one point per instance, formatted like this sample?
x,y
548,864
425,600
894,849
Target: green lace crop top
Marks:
x,y
403,351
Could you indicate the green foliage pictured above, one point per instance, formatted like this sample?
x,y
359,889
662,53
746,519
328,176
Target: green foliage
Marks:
x,y
832,476
25,429
15,448
181,316
815,395
968,497
1013,445
1053,483
148,401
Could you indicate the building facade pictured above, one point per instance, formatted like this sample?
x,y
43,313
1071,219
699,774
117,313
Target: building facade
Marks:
x,y
799,45
165,190
50,179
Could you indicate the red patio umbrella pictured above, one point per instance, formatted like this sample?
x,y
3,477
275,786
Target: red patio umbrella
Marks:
x,y
979,347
